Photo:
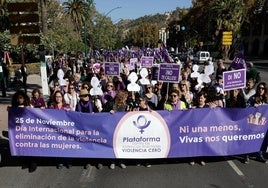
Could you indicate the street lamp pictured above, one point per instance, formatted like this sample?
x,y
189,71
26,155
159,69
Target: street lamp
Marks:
x,y
102,21
117,20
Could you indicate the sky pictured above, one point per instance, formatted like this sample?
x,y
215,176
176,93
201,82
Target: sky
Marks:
x,y
132,9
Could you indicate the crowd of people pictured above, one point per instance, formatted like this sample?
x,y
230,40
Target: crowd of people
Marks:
x,y
70,83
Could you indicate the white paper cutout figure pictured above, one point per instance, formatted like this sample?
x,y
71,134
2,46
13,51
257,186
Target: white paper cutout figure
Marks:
x,y
209,69
144,74
200,82
96,87
204,77
60,75
132,86
195,74
62,82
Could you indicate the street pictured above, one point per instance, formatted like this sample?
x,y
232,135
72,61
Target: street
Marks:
x,y
219,172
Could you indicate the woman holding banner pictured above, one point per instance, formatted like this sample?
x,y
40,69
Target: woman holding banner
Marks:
x,y
200,103
247,93
118,104
58,103
21,99
261,98
86,104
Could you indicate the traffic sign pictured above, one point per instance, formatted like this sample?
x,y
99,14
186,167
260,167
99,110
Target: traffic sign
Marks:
x,y
227,38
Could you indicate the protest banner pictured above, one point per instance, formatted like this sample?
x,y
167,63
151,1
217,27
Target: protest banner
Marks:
x,y
132,63
169,72
234,79
147,62
136,135
112,68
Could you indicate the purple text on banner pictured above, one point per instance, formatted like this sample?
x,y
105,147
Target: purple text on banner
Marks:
x,y
169,72
235,79
140,134
147,62
112,68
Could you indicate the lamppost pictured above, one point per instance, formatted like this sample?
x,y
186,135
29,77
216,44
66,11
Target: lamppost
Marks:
x,y
102,21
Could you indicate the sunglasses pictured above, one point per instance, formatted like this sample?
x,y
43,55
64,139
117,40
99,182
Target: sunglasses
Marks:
x,y
173,95
71,87
261,88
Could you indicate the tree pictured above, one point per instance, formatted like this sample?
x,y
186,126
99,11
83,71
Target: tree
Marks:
x,y
144,35
104,32
229,16
210,18
78,10
61,36
43,16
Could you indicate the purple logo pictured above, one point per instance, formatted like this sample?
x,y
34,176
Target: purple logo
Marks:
x,y
141,123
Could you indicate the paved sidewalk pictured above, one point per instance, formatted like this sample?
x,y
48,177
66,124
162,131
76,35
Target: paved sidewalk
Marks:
x,y
33,81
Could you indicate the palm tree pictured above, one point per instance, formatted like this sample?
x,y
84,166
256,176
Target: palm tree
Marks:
x,y
78,10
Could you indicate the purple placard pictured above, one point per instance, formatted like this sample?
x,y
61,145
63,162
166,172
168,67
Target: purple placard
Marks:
x,y
169,72
140,134
112,68
132,63
147,62
238,62
234,79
